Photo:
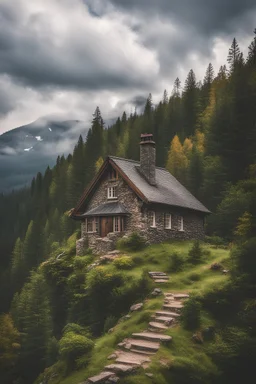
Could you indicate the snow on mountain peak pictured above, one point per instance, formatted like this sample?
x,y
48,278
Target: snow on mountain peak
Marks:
x,y
28,149
39,138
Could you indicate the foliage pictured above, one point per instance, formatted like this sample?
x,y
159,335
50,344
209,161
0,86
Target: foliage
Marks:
x,y
9,343
72,346
244,261
196,253
124,262
191,311
109,323
176,262
133,243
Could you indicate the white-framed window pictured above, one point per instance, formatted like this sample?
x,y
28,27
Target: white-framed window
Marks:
x,y
112,193
152,219
118,224
92,224
167,221
180,223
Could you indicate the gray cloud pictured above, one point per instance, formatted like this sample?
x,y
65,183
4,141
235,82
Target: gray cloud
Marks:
x,y
66,57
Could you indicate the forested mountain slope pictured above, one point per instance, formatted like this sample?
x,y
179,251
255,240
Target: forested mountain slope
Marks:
x,y
205,135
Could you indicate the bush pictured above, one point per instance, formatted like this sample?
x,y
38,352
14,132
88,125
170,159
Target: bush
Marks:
x,y
244,261
190,316
124,262
215,240
110,322
75,328
194,276
138,260
196,253
73,346
176,262
132,243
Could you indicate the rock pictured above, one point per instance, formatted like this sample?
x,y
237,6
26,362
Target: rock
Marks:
x,y
136,307
120,368
115,252
127,317
149,374
216,266
156,292
197,338
225,271
112,379
110,330
111,357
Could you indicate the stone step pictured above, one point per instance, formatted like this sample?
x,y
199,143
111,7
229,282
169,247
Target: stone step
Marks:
x,y
150,346
160,277
156,325
164,319
173,306
143,352
167,313
100,378
157,274
120,368
177,296
131,358
152,336
160,281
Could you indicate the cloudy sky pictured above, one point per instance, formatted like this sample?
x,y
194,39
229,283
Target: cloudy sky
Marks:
x,y
65,57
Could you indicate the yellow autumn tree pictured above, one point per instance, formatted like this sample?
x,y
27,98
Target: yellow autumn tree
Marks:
x,y
187,147
200,141
9,342
177,161
99,163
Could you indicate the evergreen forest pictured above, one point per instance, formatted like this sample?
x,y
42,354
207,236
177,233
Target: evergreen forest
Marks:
x,y
205,134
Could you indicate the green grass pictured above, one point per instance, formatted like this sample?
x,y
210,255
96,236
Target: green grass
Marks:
x,y
182,353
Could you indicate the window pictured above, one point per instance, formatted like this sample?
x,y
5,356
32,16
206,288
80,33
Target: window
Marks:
x,y
96,224
92,224
152,219
112,193
180,223
118,224
89,226
113,175
167,221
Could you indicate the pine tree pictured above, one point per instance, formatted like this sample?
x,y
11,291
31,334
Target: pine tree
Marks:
x,y
148,106
251,59
235,57
176,87
165,97
190,104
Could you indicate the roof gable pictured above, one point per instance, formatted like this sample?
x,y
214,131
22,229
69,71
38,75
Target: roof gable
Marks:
x,y
168,190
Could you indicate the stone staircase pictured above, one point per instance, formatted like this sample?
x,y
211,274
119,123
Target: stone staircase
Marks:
x,y
136,351
159,277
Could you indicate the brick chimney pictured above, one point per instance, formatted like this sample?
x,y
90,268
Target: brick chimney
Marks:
x,y
148,157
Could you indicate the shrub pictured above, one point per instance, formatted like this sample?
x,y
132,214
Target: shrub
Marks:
x,y
133,243
73,346
195,254
124,262
75,328
109,323
194,276
138,260
215,240
190,316
176,262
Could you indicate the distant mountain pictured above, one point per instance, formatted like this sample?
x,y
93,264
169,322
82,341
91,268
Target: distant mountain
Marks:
x,y
28,149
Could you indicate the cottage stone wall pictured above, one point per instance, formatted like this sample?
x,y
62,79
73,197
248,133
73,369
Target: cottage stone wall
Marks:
x,y
193,225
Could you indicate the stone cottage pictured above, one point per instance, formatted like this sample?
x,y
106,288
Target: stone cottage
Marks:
x,y
127,196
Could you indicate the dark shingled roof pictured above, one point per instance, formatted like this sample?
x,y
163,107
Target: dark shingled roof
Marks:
x,y
107,209
167,190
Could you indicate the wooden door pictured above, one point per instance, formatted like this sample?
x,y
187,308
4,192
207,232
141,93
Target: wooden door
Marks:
x,y
106,226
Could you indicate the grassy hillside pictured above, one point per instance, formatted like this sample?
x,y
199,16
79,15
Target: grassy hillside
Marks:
x,y
183,354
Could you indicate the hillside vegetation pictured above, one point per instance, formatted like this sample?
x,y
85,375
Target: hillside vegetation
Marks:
x,y
55,313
